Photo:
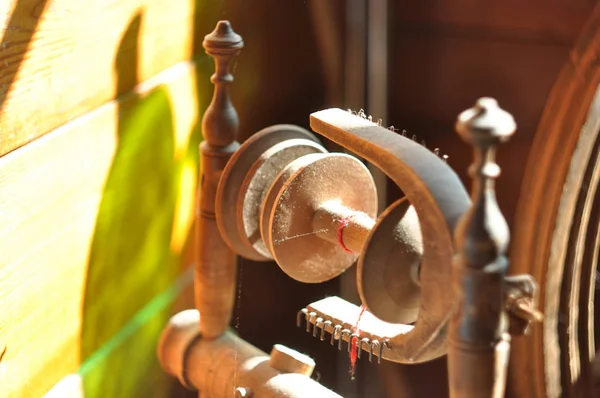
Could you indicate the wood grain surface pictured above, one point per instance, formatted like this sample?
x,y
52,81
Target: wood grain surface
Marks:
x,y
131,352
58,57
90,207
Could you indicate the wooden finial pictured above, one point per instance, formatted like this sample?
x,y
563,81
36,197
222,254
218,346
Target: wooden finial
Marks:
x,y
220,122
482,235
485,124
478,342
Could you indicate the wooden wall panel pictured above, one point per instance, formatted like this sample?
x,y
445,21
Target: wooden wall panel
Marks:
x,y
94,218
549,22
451,73
446,54
131,352
59,58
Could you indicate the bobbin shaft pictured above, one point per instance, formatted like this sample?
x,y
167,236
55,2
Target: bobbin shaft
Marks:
x,y
339,224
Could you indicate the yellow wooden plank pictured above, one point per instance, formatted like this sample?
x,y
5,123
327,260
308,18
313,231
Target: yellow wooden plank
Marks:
x,y
70,386
83,211
127,365
62,58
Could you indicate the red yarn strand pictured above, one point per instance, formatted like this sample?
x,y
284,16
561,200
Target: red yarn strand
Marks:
x,y
340,233
355,341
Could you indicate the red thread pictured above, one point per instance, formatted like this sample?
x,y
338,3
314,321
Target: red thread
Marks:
x,y
355,342
340,233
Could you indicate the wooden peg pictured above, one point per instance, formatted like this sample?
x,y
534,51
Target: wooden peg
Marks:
x,y
286,360
478,343
215,273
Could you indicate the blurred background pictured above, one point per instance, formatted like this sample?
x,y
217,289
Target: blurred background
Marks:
x,y
100,107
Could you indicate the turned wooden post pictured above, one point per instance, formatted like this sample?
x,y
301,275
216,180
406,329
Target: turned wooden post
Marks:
x,y
215,268
478,339
228,366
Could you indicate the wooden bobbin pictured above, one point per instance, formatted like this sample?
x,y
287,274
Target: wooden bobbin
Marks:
x,y
293,203
246,162
257,182
283,197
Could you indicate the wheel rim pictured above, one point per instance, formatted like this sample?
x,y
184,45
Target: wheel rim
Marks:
x,y
556,233
575,327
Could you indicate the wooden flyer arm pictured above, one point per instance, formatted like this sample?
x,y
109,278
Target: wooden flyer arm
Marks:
x,y
439,199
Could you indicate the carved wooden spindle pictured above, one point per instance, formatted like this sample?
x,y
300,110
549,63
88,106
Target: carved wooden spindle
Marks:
x,y
478,343
215,271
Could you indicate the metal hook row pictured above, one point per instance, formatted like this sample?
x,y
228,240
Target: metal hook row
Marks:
x,y
338,332
361,113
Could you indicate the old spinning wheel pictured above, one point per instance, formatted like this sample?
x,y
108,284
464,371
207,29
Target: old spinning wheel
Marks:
x,y
282,196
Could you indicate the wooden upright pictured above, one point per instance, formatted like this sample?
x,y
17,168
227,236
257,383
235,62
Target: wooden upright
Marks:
x,y
478,339
215,272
